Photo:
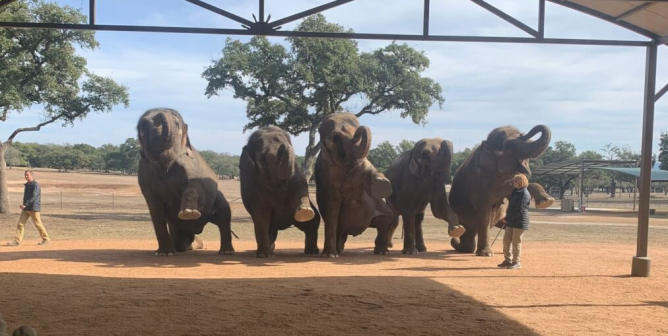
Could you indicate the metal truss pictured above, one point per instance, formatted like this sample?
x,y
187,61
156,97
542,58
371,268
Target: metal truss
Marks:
x,y
264,26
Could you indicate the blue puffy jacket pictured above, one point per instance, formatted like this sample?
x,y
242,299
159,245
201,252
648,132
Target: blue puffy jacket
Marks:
x,y
517,215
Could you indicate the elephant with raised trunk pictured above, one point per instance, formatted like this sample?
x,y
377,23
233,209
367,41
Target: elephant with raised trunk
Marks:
x,y
181,190
350,190
418,178
481,183
274,190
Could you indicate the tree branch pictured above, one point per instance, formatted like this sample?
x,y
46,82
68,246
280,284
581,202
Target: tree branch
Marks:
x,y
30,129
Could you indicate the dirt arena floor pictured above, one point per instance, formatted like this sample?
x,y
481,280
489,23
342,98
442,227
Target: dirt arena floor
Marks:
x,y
99,276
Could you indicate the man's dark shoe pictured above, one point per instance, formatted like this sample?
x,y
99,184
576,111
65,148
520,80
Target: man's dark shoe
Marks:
x,y
515,266
13,243
505,264
44,242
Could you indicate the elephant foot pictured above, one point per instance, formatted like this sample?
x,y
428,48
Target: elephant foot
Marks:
x,y
486,252
380,250
459,247
381,187
329,254
189,214
456,231
265,255
198,243
422,248
409,251
312,250
304,214
545,203
164,253
226,251
389,244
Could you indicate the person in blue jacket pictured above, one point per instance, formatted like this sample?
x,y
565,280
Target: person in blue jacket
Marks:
x,y
516,222
31,207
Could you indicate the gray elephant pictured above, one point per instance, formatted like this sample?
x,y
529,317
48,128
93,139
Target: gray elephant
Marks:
x,y
180,189
480,184
20,331
349,188
418,178
274,190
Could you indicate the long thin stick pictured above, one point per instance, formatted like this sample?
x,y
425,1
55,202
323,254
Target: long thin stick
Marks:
x,y
497,235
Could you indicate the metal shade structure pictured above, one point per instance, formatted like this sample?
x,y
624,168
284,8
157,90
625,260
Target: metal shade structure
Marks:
x,y
576,167
658,175
647,18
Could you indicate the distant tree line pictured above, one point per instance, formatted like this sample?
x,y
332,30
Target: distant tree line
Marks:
x,y
123,158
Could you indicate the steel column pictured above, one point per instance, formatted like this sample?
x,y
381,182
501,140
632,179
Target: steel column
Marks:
x,y
641,264
541,18
261,10
91,12
425,22
582,175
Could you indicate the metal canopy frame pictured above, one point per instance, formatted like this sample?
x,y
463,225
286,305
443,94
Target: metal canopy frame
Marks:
x,y
641,263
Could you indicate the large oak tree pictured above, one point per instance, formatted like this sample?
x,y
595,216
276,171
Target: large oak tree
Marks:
x,y
297,87
41,67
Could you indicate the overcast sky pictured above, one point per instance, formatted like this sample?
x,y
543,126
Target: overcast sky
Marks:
x,y
589,96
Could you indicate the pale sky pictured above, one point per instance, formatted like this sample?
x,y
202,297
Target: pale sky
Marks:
x,y
589,96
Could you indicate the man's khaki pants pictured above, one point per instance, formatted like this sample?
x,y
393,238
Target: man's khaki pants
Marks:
x,y
512,236
36,220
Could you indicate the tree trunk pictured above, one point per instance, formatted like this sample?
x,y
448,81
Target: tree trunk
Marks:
x,y
562,192
4,192
311,151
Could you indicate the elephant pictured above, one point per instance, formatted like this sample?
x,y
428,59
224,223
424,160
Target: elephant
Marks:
x,y
180,189
418,178
274,190
481,183
349,189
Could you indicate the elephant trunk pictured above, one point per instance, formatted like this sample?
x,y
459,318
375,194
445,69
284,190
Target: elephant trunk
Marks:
x,y
160,137
533,149
285,163
360,144
443,161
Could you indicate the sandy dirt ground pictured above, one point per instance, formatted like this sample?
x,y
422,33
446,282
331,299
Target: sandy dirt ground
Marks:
x,y
99,277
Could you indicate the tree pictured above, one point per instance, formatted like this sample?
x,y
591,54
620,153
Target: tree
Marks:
x,y
562,151
383,155
13,157
459,157
405,145
296,89
41,67
663,151
129,155
611,152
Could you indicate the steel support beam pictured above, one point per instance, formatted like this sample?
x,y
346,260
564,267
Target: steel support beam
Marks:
x,y
661,92
306,13
582,175
641,265
541,18
91,12
634,10
425,22
503,15
261,10
359,36
662,40
220,11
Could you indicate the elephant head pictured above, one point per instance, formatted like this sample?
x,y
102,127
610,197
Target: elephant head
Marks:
x,y
163,136
431,158
270,151
507,151
343,140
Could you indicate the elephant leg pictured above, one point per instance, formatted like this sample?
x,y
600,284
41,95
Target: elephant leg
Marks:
x,y
310,230
190,208
408,217
393,223
331,217
465,243
375,183
341,243
540,197
304,211
383,225
223,219
165,243
419,237
273,234
263,234
441,209
483,249
183,240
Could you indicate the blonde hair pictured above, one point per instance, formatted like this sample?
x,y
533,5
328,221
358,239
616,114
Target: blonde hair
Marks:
x,y
520,181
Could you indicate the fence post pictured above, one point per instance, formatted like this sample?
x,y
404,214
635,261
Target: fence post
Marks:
x,y
113,201
61,200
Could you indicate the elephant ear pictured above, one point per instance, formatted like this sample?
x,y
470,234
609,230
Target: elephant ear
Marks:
x,y
413,166
486,158
185,141
246,159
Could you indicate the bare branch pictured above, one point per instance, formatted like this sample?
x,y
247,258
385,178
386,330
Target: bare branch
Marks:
x,y
31,129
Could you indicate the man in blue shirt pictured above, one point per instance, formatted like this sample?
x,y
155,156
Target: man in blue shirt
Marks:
x,y
32,202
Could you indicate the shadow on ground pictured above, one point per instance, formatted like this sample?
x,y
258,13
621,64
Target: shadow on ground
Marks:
x,y
79,305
